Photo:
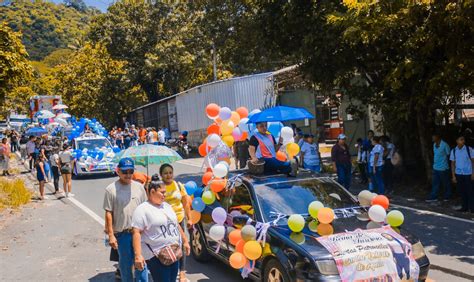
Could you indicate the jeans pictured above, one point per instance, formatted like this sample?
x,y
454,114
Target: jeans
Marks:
x,y
315,168
14,146
387,174
127,259
161,272
440,177
344,174
377,179
465,186
55,170
272,165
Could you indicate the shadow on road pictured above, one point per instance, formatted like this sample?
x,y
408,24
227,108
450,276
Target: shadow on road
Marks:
x,y
106,276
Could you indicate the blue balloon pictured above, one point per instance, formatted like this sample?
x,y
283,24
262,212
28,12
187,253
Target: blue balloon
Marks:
x,y
116,149
198,204
274,128
191,187
198,192
100,155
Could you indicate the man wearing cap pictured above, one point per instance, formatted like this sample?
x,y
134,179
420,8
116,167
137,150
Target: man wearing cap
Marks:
x,y
342,161
120,201
263,146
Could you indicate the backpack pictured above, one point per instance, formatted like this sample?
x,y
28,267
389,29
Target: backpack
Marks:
x,y
468,152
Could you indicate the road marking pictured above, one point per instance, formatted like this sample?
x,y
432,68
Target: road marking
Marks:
x,y
433,213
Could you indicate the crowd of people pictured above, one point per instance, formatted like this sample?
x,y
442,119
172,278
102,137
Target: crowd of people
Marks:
x,y
134,136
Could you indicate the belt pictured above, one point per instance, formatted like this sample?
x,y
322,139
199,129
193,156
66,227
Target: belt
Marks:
x,y
128,230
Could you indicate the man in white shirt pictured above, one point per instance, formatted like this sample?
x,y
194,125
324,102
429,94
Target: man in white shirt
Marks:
x,y
161,137
462,162
30,151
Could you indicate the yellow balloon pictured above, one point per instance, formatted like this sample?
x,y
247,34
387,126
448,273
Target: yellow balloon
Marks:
x,y
292,149
226,127
235,118
252,250
228,140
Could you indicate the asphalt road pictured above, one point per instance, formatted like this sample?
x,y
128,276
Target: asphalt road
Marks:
x,y
448,241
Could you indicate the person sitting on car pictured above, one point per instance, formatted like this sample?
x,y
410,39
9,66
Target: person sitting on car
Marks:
x,y
263,147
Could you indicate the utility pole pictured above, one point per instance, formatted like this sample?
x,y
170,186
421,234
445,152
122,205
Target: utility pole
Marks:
x,y
214,61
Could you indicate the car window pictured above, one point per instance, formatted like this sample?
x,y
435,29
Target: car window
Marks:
x,y
238,201
91,144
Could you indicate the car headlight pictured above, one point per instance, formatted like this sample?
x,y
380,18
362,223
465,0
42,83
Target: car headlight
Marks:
x,y
327,267
418,250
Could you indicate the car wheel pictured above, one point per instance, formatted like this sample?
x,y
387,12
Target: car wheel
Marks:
x,y
198,246
275,272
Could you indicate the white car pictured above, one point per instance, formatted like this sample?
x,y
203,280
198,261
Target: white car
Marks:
x,y
94,155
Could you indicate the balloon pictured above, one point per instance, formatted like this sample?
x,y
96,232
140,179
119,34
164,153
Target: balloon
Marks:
x,y
296,222
235,236
220,170
225,113
237,134
313,225
212,110
365,197
274,128
325,215
298,238
213,140
198,192
373,225
395,218
217,232
194,217
206,178
248,233
252,250
325,229
243,112
208,197
219,215
380,200
237,260
198,204
245,135
218,120
255,111
235,118
239,247
377,213
202,150
281,156
213,129
314,207
243,125
191,187
292,149
228,140
218,184
286,133
226,127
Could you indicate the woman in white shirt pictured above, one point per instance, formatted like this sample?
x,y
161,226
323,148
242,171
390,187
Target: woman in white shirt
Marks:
x,y
376,165
156,228
66,161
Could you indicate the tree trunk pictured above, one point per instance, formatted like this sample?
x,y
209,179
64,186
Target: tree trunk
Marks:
x,y
424,122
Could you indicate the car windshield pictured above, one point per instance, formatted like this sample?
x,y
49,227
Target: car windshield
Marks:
x,y
91,144
294,197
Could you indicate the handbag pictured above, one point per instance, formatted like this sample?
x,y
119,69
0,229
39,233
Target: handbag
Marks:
x,y
169,254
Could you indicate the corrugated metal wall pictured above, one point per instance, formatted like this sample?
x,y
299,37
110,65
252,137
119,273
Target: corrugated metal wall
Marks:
x,y
255,91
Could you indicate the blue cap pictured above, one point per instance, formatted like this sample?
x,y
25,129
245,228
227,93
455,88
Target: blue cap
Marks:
x,y
126,163
341,136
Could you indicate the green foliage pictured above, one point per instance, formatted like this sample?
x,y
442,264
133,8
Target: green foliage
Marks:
x,y
45,25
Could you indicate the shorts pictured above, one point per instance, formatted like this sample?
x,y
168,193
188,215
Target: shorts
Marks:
x,y
66,170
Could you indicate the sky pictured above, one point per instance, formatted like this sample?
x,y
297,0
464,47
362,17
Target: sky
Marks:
x,y
99,4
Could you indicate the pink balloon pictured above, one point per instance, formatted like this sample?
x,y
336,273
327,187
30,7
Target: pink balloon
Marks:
x,y
237,133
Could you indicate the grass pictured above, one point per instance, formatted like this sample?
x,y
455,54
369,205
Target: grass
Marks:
x,y
13,193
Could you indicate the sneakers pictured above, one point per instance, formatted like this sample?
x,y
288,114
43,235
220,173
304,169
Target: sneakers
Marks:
x,y
71,195
66,194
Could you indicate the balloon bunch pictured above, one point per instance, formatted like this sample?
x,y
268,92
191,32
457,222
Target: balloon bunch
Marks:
x,y
79,125
247,248
378,210
320,221
289,149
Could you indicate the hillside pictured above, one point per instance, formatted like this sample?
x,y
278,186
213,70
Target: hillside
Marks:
x,y
46,26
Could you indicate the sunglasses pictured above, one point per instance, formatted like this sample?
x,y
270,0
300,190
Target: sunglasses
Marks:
x,y
128,171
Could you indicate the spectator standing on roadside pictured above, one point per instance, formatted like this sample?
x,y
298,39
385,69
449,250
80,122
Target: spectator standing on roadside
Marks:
x,y
361,161
161,136
14,141
40,174
367,144
30,150
66,162
441,153
4,157
462,162
310,156
376,166
134,135
119,138
153,136
167,133
54,160
342,161
387,172
142,133
121,199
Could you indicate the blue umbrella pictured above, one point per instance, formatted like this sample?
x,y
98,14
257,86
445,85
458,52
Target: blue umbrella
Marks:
x,y
36,131
280,113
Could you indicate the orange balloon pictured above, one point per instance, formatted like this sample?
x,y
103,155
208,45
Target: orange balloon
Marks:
x,y
325,215
237,260
218,184
325,229
281,156
206,178
235,236
243,112
244,136
381,200
218,121
213,129
202,150
212,110
239,247
208,169
235,118
195,216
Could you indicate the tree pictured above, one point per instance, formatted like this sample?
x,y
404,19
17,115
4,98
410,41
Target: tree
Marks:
x,y
95,85
15,69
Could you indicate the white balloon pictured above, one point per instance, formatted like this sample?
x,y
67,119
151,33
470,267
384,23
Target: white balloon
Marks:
x,y
213,140
243,125
220,170
225,113
288,141
286,133
365,196
217,232
377,213
225,164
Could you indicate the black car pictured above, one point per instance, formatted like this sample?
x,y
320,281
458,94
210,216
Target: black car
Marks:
x,y
289,257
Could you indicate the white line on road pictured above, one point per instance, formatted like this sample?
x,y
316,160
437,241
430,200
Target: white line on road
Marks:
x,y
434,213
